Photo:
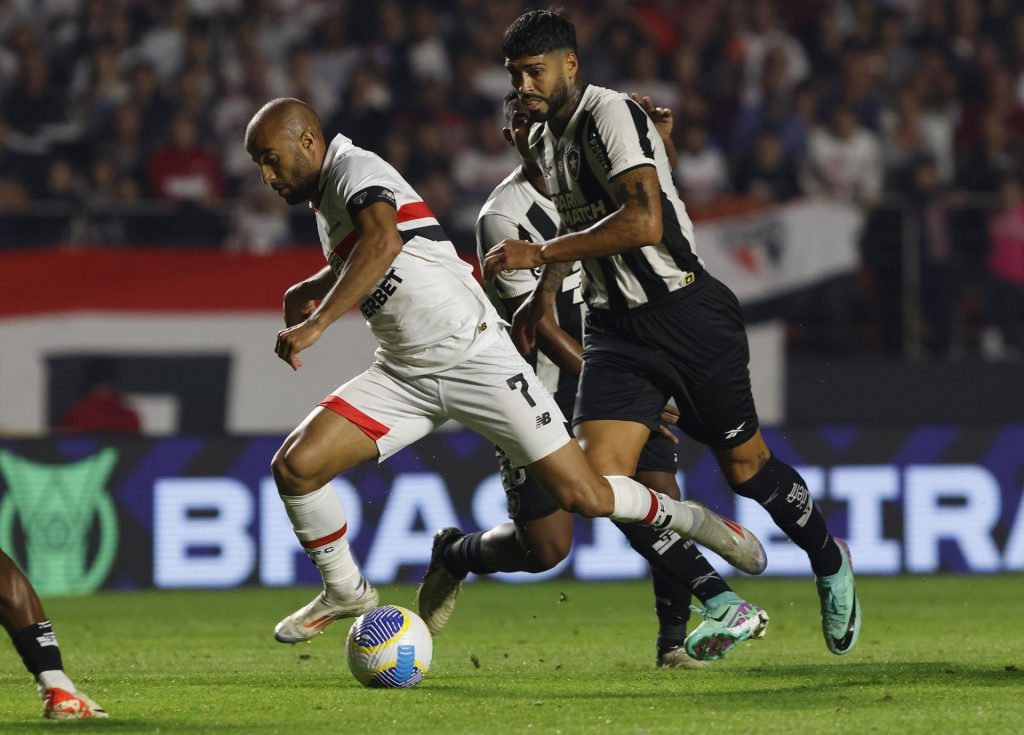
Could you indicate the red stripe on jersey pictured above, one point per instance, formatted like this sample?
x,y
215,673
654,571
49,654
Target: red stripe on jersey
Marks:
x,y
414,210
369,426
324,540
654,508
344,248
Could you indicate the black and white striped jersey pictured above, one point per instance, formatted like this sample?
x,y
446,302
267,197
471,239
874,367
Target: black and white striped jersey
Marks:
x,y
608,135
516,210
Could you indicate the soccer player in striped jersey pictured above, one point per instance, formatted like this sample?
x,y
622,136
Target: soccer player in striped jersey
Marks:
x,y
658,324
21,614
520,208
443,353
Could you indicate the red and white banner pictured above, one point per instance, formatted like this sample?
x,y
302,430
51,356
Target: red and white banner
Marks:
x,y
61,308
776,251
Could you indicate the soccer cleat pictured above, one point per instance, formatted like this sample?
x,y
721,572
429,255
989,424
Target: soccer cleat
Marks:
x,y
60,704
840,608
724,626
728,539
676,657
435,598
310,620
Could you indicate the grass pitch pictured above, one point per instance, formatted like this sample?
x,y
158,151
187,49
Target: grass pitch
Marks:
x,y
937,654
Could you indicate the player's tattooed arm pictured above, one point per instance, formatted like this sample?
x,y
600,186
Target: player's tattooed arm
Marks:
x,y
558,345
551,278
635,223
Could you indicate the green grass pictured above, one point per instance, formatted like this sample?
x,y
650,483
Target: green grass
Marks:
x,y
937,654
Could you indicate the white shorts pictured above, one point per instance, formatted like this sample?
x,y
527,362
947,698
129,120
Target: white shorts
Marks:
x,y
495,393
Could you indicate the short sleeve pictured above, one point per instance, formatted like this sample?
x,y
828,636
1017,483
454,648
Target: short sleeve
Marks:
x,y
492,229
626,133
359,175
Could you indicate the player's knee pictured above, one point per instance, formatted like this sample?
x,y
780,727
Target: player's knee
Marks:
x,y
548,554
587,500
293,472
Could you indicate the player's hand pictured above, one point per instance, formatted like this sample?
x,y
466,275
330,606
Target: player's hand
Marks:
x,y
511,255
297,309
660,116
293,340
669,418
524,323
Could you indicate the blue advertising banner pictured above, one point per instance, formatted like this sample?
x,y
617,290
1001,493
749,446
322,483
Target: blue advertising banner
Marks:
x,y
89,512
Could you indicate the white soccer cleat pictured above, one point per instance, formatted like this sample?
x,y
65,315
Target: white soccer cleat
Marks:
x,y
678,658
728,539
60,704
309,621
435,598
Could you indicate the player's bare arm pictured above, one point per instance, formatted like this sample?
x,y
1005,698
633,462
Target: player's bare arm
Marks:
x,y
300,299
375,250
637,222
532,310
557,344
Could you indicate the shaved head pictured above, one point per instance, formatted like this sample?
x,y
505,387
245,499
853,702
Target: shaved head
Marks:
x,y
284,116
285,140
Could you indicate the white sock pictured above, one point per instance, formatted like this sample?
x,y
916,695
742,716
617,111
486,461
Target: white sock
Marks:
x,y
54,679
320,524
636,503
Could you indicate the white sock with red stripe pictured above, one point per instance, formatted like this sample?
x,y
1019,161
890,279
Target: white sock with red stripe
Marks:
x,y
319,522
636,503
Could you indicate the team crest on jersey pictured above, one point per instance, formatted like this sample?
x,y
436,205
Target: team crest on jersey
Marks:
x,y
572,162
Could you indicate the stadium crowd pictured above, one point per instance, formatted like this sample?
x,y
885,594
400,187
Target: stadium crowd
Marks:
x,y
116,115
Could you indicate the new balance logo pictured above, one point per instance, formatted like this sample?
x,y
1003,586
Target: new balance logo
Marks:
x,y
799,496
733,433
544,419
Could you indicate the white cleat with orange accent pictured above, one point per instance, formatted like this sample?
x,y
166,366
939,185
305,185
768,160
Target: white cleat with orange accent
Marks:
x,y
60,704
309,621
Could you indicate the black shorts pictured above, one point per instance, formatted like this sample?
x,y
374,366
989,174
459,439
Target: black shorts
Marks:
x,y
692,348
529,501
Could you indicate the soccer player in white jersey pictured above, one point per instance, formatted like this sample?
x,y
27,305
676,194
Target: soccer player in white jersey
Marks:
x,y
443,353
520,208
658,324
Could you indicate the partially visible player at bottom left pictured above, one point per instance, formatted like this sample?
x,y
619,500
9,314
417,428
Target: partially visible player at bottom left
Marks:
x,y
22,615
442,353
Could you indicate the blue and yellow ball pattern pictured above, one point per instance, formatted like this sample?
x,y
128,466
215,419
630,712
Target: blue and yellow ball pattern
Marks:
x,y
389,648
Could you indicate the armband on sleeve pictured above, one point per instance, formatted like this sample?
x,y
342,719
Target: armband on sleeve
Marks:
x,y
370,195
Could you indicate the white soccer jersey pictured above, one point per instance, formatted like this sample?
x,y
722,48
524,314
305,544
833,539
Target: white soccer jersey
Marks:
x,y
607,135
428,313
516,210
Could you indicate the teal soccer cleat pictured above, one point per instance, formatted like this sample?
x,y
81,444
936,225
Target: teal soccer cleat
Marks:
x,y
840,608
725,625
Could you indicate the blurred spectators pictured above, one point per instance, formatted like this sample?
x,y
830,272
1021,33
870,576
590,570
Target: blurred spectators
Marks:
x,y
1004,333
107,107
702,172
843,160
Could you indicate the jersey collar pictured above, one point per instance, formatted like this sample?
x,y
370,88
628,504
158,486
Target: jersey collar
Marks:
x,y
340,144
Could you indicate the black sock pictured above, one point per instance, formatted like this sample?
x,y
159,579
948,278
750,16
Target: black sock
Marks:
x,y
464,556
37,646
783,493
672,606
678,558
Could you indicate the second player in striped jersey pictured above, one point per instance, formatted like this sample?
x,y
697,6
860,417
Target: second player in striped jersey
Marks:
x,y
520,208
658,325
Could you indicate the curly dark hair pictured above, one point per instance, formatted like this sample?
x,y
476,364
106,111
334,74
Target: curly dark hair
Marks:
x,y
538,32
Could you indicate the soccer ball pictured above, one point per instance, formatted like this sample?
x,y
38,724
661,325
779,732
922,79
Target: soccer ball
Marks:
x,y
389,648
